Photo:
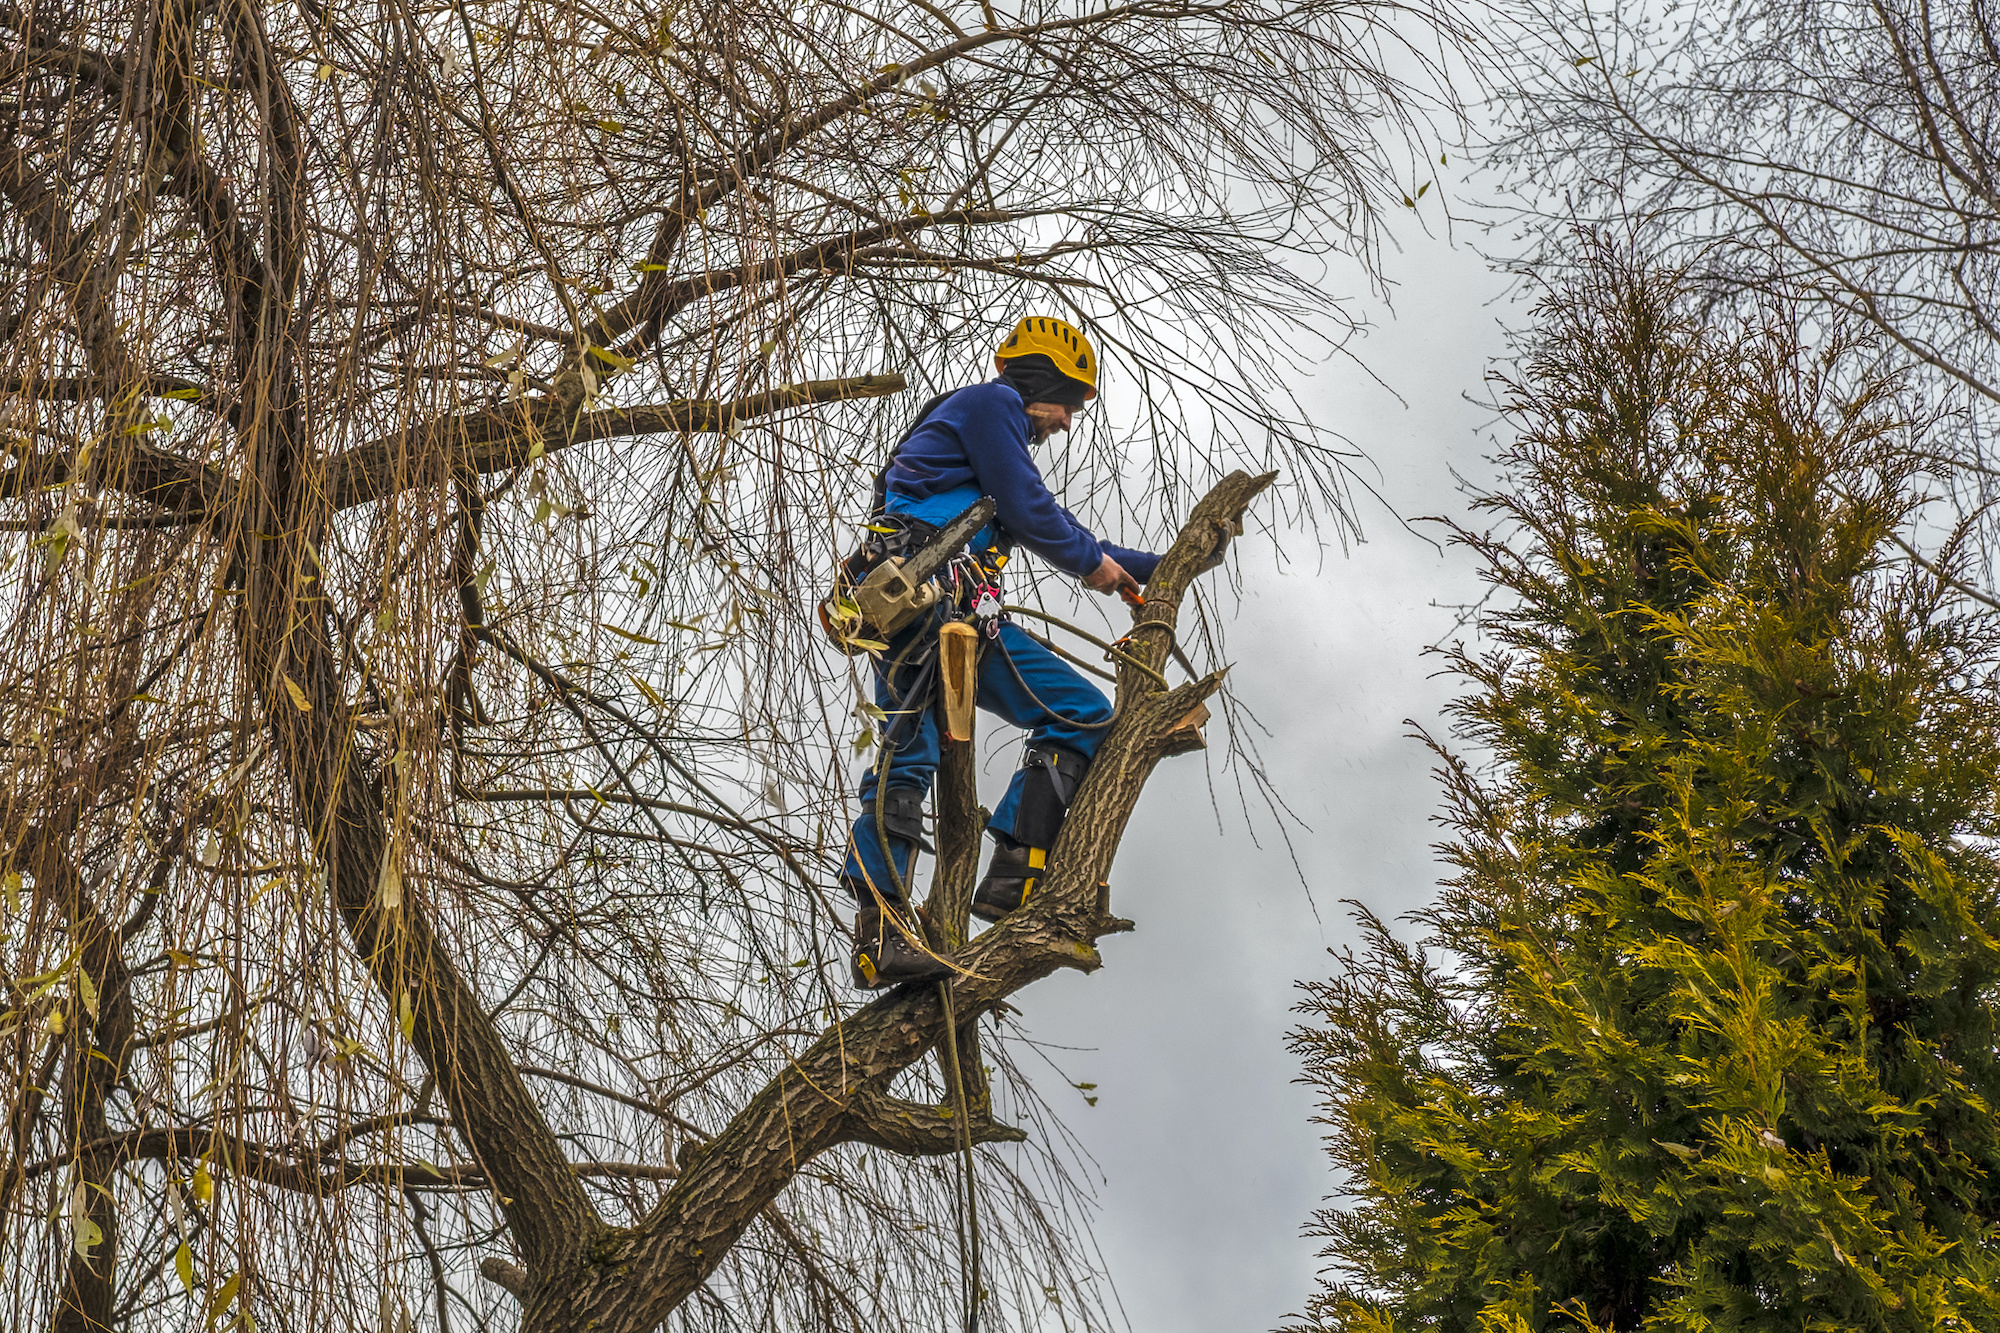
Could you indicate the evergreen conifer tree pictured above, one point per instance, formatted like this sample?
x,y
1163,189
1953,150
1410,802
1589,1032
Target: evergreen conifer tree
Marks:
x,y
1702,1032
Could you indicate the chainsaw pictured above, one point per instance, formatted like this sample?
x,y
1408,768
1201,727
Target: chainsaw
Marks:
x,y
896,591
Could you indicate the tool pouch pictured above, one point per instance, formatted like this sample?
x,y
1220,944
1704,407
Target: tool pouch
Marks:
x,y
869,599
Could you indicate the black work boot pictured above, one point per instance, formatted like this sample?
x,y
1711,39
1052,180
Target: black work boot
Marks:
x,y
1011,876
888,953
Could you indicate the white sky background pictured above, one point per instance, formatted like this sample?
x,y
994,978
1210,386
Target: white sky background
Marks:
x,y
1209,1162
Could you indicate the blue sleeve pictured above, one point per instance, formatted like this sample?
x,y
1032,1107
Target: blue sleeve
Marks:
x,y
1139,564
994,433
992,430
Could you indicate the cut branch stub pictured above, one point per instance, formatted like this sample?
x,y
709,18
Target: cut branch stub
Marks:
x,y
1215,520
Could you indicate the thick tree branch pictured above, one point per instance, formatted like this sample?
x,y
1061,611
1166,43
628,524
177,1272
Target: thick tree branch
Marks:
x,y
493,441
502,1124
317,1171
917,1129
960,821
98,1044
662,301
305,1171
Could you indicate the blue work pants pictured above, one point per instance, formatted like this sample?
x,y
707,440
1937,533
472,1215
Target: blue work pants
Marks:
x,y
1020,681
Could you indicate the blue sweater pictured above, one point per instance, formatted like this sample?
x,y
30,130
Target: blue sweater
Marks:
x,y
976,443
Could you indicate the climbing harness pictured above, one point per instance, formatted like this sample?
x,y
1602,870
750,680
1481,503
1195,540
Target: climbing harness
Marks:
x,y
891,581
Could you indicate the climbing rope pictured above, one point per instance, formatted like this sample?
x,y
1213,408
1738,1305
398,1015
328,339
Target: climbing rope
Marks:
x,y
1042,704
968,1254
1111,650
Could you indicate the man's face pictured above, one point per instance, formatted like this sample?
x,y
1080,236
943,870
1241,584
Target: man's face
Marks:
x,y
1049,419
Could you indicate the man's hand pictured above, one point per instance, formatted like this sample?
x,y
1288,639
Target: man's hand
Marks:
x,y
1110,577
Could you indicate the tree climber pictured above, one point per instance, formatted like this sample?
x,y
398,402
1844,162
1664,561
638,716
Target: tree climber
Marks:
x,y
967,444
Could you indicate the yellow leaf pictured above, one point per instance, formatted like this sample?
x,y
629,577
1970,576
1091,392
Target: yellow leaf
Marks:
x,y
610,126
203,1186
84,1233
323,73
406,1017
389,883
220,1301
652,695
39,984
55,542
86,991
628,634
184,1266
610,358
185,395
299,700
11,886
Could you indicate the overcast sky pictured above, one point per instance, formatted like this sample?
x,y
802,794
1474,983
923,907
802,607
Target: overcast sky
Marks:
x,y
1209,1162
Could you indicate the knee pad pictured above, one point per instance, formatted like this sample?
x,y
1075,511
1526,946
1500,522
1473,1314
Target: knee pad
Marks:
x,y
1050,779
902,816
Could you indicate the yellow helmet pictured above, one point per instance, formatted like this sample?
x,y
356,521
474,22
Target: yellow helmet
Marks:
x,y
1060,342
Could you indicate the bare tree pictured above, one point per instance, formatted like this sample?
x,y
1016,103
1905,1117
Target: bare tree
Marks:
x,y
1842,150
426,427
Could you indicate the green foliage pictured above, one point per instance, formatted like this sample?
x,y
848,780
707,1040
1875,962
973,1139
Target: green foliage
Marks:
x,y
1703,1032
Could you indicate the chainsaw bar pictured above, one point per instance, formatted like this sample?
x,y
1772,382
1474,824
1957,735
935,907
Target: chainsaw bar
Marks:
x,y
936,553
